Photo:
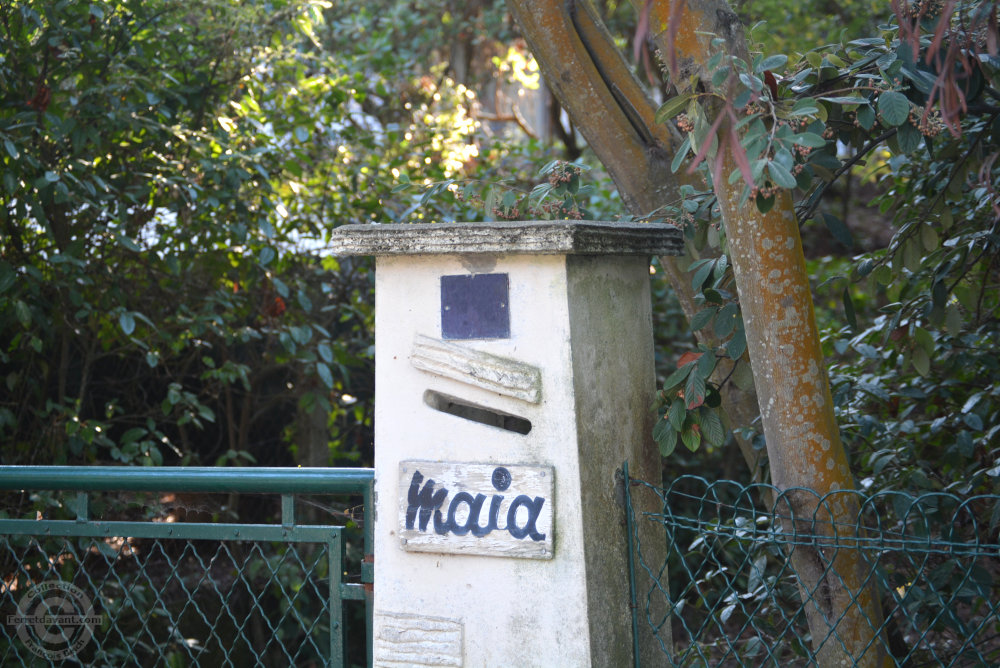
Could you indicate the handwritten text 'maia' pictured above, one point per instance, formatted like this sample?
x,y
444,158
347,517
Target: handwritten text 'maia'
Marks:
x,y
425,501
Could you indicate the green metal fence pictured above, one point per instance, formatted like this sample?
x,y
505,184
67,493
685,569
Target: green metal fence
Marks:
x,y
725,591
179,576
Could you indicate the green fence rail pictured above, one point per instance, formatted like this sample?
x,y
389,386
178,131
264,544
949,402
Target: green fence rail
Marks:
x,y
153,566
725,590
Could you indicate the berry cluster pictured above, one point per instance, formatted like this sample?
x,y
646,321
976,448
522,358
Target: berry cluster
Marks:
x,y
764,191
927,121
507,212
474,200
562,173
553,209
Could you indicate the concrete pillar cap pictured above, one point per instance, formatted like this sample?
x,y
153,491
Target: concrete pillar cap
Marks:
x,y
531,237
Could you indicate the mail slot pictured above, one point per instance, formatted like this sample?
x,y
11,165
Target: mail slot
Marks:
x,y
513,377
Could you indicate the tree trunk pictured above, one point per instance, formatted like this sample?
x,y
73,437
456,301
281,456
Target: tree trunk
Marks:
x,y
593,83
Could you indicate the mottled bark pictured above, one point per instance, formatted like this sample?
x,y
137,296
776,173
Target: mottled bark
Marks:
x,y
803,439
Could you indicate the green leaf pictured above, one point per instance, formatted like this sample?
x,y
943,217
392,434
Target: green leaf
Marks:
x,y
127,322
302,334
304,301
672,107
665,436
721,264
849,312
302,134
266,255
780,174
325,374
706,364
711,428
694,391
737,345
764,204
11,149
924,339
971,403
280,286
921,362
677,377
132,435
838,229
929,237
681,153
846,99
7,276
691,438
953,319
908,138
720,75
725,321
703,317
325,352
775,62
866,117
809,139
125,242
713,296
893,107
677,413
805,106
701,275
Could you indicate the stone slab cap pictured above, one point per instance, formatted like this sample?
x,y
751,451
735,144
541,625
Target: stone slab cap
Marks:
x,y
533,237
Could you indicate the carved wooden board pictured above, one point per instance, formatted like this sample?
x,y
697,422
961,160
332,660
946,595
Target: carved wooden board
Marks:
x,y
486,509
416,640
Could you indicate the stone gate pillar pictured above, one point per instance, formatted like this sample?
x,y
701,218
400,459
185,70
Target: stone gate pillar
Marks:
x,y
514,376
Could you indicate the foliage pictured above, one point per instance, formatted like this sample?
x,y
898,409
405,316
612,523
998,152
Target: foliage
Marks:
x,y
735,597
171,172
154,272
915,380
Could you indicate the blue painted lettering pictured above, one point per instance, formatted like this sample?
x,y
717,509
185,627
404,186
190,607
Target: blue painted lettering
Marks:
x,y
425,501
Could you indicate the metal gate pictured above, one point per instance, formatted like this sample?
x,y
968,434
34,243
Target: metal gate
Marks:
x,y
177,579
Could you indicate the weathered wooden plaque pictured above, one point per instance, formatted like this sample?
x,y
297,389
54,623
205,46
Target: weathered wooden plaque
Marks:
x,y
494,510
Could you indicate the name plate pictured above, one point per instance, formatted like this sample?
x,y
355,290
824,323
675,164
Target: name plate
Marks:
x,y
484,509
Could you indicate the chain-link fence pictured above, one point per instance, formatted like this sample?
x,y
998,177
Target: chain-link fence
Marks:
x,y
749,570
220,571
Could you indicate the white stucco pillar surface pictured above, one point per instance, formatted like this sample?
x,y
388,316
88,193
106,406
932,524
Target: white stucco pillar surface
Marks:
x,y
514,376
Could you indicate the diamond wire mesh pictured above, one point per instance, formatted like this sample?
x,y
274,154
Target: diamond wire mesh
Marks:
x,y
197,602
188,600
730,594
